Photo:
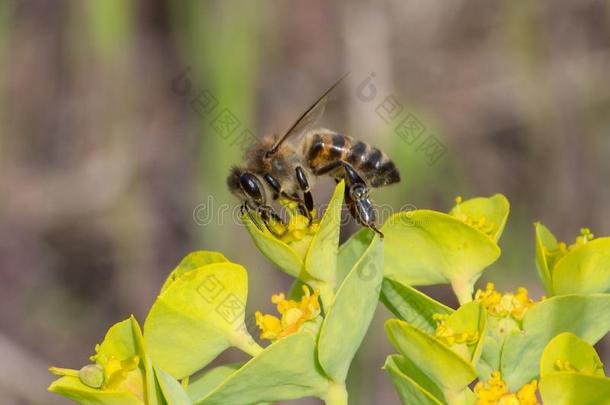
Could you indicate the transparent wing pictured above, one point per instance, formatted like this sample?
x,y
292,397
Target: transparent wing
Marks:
x,y
308,118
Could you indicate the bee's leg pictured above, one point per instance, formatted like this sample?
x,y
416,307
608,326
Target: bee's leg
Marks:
x,y
304,185
356,194
267,213
279,192
245,208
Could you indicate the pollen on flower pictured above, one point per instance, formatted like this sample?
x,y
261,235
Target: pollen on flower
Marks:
x,y
481,223
115,370
298,225
293,315
495,392
448,336
553,255
107,373
504,305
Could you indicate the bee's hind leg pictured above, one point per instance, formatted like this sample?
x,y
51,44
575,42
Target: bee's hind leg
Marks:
x,y
357,196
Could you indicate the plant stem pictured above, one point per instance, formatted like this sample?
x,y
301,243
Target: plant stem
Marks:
x,y
244,342
336,394
462,290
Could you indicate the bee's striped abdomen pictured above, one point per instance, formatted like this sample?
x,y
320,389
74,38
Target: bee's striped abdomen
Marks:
x,y
324,148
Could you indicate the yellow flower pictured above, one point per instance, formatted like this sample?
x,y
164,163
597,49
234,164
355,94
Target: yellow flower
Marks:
x,y
294,315
481,223
553,255
109,373
495,392
115,370
298,225
504,305
448,336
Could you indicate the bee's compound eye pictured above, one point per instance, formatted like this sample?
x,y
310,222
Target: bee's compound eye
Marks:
x,y
251,186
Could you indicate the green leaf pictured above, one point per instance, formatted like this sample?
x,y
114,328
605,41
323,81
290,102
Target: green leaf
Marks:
x,y
191,262
411,305
586,316
285,370
494,209
173,392
351,250
321,258
351,313
207,382
565,388
122,341
451,372
490,358
197,317
71,387
412,385
425,247
152,388
545,240
567,347
470,318
584,269
278,252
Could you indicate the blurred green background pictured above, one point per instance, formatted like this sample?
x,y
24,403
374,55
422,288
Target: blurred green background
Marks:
x,y
112,167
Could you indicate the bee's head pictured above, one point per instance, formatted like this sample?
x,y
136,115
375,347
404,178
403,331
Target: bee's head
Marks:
x,y
246,185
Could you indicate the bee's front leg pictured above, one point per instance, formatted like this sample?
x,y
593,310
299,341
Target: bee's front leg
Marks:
x,y
267,214
304,185
278,192
246,209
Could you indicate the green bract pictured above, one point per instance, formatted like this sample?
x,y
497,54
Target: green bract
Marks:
x,y
505,341
437,368
585,316
581,268
572,373
313,258
425,247
199,315
285,370
352,310
122,375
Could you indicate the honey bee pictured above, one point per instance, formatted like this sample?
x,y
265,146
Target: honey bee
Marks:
x,y
274,169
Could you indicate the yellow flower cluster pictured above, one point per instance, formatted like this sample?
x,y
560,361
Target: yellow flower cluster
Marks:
x,y
108,373
115,370
294,314
552,256
298,225
495,392
482,223
448,336
503,305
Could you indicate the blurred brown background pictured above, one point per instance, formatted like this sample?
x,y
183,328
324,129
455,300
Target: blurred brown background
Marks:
x,y
109,175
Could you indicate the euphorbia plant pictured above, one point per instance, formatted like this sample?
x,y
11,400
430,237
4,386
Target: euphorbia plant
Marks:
x,y
499,339
306,348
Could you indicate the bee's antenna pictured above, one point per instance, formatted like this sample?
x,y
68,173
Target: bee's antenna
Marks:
x,y
320,102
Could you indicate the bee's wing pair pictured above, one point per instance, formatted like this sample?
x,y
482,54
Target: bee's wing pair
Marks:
x,y
308,118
